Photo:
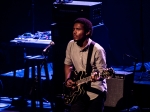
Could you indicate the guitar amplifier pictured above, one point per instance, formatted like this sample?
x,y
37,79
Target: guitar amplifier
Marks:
x,y
123,75
68,12
119,89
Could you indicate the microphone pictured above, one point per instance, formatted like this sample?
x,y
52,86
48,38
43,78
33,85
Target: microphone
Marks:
x,y
131,57
51,43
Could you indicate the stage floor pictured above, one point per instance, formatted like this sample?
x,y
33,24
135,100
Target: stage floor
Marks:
x,y
141,82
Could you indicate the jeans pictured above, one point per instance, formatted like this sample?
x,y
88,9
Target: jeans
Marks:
x,y
84,104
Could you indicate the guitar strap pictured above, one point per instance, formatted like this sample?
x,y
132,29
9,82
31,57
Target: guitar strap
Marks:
x,y
88,66
89,70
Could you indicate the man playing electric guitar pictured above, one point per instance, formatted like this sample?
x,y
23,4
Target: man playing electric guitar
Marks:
x,y
76,56
78,84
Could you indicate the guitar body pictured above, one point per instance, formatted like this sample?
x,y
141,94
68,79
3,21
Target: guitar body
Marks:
x,y
71,95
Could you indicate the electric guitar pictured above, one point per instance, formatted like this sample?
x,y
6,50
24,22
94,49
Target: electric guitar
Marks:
x,y
81,80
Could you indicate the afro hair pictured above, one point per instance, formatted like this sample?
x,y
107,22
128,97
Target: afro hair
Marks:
x,y
87,24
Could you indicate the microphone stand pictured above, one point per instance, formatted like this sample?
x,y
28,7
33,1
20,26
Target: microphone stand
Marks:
x,y
143,68
35,90
33,16
135,61
132,88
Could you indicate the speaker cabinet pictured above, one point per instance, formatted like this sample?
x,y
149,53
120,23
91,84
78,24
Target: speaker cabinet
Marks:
x,y
119,89
68,12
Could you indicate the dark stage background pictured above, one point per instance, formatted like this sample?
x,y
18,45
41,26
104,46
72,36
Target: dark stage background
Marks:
x,y
125,31
126,21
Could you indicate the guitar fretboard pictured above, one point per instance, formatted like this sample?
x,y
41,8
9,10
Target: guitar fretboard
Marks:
x,y
84,80
104,74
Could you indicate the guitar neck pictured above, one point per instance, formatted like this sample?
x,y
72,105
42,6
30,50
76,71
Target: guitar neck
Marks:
x,y
84,80
104,74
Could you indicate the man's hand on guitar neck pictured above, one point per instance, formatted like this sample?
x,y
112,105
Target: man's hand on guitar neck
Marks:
x,y
107,74
95,76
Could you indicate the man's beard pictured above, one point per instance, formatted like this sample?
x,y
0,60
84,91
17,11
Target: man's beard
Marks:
x,y
80,41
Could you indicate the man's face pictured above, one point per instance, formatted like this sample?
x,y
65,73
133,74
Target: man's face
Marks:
x,y
78,31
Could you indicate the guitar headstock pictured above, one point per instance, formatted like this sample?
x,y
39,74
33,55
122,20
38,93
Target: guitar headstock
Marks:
x,y
108,73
